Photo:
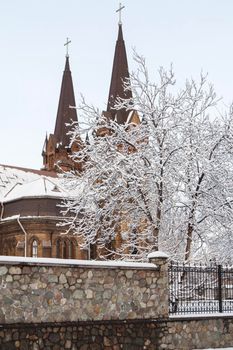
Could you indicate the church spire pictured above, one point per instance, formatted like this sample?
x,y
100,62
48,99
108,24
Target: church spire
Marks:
x,y
120,74
57,149
65,114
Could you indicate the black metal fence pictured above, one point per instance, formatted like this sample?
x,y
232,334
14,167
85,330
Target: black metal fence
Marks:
x,y
200,289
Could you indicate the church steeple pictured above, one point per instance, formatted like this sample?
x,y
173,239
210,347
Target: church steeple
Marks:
x,y
65,114
120,73
57,150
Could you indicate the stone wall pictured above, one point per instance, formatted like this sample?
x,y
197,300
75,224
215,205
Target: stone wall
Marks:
x,y
33,290
198,333
83,305
179,334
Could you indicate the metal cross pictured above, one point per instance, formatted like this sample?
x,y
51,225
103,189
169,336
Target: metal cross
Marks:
x,y
119,10
67,46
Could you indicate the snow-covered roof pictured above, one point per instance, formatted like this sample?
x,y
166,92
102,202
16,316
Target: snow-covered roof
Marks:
x,y
10,176
40,187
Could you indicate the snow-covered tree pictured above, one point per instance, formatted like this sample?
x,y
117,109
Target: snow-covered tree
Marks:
x,y
165,183
204,177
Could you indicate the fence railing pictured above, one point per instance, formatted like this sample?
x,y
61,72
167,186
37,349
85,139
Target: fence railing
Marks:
x,y
200,289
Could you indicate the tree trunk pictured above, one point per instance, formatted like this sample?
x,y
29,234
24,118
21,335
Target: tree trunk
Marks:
x,y
188,242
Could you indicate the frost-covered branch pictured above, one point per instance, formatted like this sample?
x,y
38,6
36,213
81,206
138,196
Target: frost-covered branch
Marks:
x,y
165,182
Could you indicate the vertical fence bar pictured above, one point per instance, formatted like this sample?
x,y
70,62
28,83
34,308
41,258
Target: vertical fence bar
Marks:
x,y
220,287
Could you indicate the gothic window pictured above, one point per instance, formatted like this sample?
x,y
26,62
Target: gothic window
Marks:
x,y
58,255
34,249
61,249
71,250
64,250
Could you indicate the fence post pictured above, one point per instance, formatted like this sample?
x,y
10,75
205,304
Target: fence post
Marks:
x,y
220,287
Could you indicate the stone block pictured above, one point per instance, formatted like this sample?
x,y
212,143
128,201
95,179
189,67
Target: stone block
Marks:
x,y
3,270
15,270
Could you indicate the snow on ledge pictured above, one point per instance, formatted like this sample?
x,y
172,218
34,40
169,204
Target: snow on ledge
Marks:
x,y
18,216
16,260
157,254
202,315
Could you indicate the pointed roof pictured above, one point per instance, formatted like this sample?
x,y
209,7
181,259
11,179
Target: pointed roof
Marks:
x,y
65,115
120,73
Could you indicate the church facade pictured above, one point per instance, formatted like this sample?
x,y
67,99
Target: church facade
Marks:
x,y
29,198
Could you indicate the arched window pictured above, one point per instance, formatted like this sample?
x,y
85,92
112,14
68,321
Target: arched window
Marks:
x,y
58,255
71,250
34,248
64,250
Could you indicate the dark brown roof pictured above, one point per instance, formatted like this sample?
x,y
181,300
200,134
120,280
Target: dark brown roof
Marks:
x,y
33,207
120,73
65,115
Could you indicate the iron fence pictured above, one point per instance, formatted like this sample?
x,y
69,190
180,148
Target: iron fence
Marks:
x,y
200,289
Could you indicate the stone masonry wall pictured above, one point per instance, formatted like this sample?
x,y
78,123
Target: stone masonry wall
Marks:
x,y
80,305
37,291
179,334
198,333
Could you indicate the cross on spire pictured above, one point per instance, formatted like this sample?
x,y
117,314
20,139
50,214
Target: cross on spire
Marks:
x,y
119,10
67,46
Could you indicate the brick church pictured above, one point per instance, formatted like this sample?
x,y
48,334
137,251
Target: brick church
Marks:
x,y
29,198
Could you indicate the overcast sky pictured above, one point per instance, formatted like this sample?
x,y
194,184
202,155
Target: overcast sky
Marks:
x,y
194,35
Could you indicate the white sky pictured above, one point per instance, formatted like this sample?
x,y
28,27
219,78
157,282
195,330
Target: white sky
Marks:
x,y
194,35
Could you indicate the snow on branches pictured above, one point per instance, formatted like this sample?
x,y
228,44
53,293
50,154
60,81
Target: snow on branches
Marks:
x,y
164,182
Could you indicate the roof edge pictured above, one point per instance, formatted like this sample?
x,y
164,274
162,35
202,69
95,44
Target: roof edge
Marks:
x,y
34,171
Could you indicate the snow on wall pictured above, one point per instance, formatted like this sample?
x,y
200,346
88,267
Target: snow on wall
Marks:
x,y
14,260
